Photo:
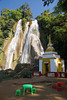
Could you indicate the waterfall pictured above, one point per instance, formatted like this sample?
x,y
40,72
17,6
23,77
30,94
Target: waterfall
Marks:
x,y
30,38
23,39
26,49
37,45
12,46
32,35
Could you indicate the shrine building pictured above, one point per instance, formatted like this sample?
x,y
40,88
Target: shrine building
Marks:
x,y
51,61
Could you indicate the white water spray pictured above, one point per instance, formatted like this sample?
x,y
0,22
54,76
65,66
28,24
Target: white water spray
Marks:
x,y
30,38
13,45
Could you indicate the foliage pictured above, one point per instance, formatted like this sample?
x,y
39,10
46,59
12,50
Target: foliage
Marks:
x,y
25,6
14,14
61,5
3,75
6,74
45,27
26,74
9,17
57,27
24,24
57,10
2,56
12,74
17,59
18,67
26,11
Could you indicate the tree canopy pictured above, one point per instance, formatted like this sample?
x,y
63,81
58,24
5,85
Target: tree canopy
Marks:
x,y
9,17
57,27
62,4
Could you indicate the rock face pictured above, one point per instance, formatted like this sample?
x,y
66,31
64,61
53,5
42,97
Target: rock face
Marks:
x,y
23,47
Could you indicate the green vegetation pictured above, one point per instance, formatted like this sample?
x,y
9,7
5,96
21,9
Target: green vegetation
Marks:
x,y
26,74
57,27
18,67
61,5
23,24
9,17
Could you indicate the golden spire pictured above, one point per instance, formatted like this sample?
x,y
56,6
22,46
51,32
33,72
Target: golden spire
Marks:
x,y
50,39
50,45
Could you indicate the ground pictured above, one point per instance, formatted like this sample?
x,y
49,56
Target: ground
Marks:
x,y
43,87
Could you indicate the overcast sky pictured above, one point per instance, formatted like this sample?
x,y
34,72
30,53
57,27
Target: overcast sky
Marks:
x,y
36,5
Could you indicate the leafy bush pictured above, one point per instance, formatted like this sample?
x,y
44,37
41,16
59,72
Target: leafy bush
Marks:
x,y
6,74
12,74
18,67
8,71
3,75
26,74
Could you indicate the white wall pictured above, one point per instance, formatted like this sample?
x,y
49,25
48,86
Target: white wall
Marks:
x,y
40,65
53,65
63,65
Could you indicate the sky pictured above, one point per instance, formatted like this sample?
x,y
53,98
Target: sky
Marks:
x,y
36,5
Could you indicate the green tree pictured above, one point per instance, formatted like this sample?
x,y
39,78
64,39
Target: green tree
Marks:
x,y
16,14
57,27
9,17
8,14
45,26
62,4
26,11
1,37
24,6
5,12
2,22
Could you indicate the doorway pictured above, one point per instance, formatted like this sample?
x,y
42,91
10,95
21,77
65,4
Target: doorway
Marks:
x,y
46,67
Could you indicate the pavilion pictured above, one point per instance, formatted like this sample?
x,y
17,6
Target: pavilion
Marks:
x,y
51,61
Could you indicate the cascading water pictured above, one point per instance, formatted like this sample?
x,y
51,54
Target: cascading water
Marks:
x,y
32,35
12,45
37,45
23,39
30,38
26,49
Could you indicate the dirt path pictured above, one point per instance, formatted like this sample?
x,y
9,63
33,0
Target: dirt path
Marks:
x,y
43,87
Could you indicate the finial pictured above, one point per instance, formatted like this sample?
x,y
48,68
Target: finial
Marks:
x,y
49,39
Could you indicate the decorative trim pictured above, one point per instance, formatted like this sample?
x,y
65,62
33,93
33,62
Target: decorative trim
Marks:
x,y
50,44
50,48
46,62
50,52
51,56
